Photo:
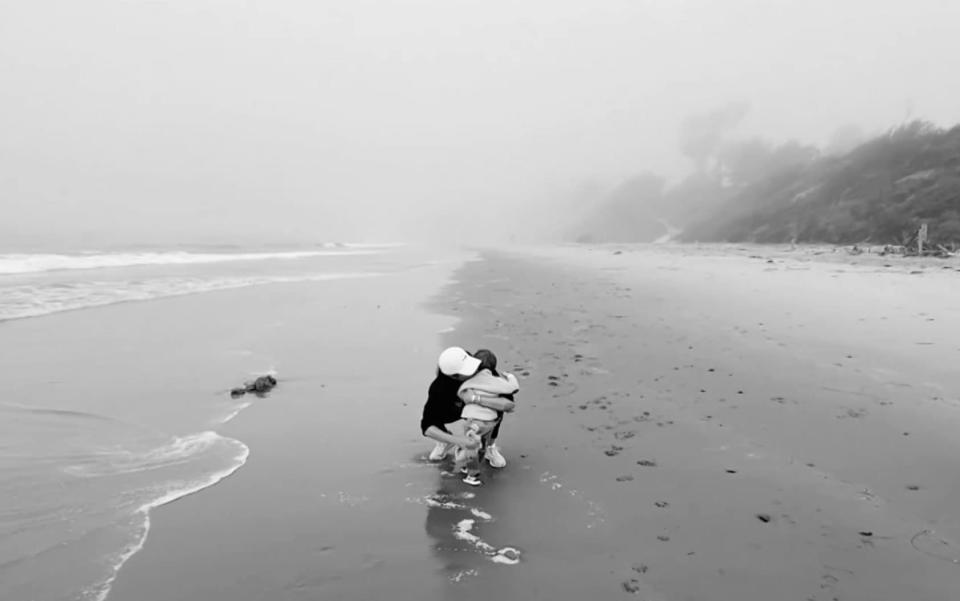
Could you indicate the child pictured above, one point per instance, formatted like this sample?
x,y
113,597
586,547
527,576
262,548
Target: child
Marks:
x,y
486,395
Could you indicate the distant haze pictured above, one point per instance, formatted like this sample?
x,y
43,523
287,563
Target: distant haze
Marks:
x,y
160,121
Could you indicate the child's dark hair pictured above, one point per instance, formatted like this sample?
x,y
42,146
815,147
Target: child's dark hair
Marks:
x,y
487,360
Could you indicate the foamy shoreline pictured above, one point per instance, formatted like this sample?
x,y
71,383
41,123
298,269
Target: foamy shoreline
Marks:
x,y
254,524
30,301
101,590
31,263
116,392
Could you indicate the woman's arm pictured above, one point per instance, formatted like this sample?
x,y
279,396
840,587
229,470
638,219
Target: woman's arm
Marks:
x,y
486,399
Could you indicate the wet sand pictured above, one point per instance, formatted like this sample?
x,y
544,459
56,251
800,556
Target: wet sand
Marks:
x,y
693,424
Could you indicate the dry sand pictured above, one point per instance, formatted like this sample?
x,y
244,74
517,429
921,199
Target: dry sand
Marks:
x,y
751,429
694,424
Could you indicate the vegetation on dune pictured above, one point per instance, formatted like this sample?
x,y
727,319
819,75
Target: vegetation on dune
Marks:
x,y
874,192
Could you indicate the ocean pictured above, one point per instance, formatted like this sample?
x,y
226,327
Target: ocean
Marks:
x,y
85,456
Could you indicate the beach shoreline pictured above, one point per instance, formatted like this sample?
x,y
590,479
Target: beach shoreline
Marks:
x,y
306,460
690,425
119,409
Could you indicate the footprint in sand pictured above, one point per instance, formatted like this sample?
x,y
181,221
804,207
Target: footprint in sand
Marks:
x,y
635,586
853,413
613,451
594,511
927,542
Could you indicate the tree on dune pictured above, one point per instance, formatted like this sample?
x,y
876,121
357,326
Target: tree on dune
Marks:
x,y
878,191
702,135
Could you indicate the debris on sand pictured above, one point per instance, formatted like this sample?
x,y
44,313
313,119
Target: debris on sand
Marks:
x,y
259,386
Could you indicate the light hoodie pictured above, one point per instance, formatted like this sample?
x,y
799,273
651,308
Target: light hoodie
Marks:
x,y
485,382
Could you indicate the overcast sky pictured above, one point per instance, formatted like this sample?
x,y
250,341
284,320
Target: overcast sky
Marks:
x,y
211,120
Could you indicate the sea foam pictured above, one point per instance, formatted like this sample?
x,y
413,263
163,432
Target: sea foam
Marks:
x,y
23,263
504,555
100,590
24,301
179,450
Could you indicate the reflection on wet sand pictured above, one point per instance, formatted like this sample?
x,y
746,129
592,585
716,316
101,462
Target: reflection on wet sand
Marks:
x,y
455,521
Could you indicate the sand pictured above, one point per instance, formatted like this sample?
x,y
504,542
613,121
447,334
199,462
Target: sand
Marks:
x,y
694,423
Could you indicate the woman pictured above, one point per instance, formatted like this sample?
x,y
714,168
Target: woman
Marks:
x,y
441,413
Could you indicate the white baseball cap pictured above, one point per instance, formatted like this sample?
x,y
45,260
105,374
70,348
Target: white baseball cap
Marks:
x,y
456,361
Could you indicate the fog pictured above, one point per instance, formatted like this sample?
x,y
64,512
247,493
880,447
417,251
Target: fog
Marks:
x,y
159,121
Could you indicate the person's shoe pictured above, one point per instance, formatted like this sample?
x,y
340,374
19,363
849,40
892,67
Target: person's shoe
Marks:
x,y
439,451
494,458
472,480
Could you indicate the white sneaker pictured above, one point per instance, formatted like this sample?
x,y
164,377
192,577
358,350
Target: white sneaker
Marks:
x,y
494,458
439,451
473,481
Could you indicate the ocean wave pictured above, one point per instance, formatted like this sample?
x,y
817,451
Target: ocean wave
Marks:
x,y
23,263
36,300
89,527
112,462
179,490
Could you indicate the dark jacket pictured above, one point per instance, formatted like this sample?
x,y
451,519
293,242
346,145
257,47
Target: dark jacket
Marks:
x,y
443,406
